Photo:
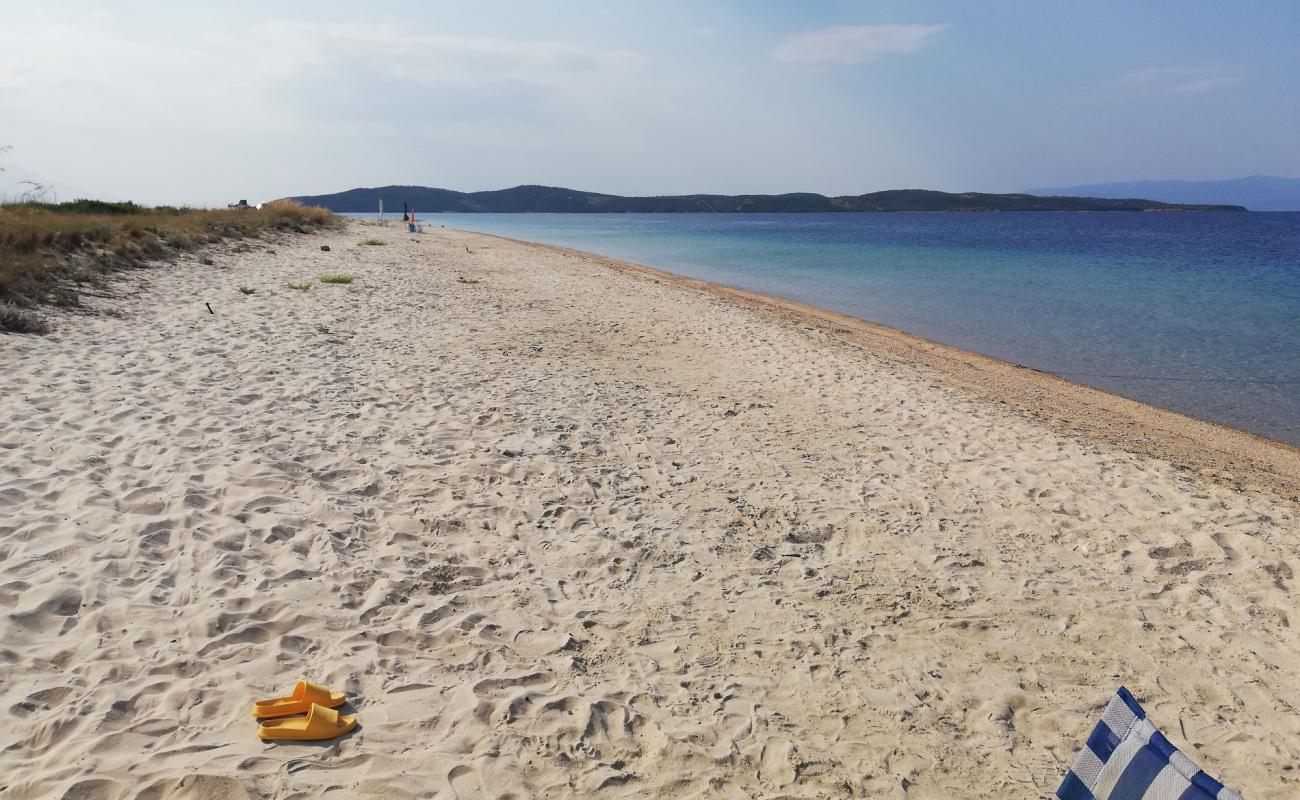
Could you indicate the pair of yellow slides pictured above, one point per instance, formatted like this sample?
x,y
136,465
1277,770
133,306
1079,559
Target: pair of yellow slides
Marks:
x,y
314,700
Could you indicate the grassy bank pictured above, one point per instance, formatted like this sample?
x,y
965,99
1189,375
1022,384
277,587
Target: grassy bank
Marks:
x,y
48,251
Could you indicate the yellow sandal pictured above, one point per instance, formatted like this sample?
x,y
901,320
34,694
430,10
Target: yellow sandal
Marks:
x,y
304,695
320,723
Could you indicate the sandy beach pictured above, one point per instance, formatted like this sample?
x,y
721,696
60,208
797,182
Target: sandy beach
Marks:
x,y
563,527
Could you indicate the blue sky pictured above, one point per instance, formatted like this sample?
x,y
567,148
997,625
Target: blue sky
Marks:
x,y
206,103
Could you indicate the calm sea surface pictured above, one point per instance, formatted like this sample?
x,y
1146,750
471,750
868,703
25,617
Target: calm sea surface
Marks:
x,y
1199,313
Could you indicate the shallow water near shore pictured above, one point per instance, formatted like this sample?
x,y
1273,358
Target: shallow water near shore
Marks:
x,y
1198,313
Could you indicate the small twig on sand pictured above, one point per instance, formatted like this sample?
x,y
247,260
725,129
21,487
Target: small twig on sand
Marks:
x,y
210,311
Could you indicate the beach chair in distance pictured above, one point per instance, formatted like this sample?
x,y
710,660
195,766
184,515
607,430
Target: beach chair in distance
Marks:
x,y
1126,758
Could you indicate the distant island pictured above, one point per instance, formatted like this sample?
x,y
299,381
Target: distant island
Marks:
x,y
1257,192
522,199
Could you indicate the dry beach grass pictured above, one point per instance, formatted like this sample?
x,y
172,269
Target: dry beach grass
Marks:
x,y
50,251
563,527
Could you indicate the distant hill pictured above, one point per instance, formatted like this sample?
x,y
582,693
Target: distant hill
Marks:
x,y
425,199
1258,192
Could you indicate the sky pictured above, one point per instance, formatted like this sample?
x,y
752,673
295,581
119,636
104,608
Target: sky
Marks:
x,y
206,103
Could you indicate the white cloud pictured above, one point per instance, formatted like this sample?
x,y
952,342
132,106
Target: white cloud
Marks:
x,y
397,52
92,102
854,44
291,71
1169,81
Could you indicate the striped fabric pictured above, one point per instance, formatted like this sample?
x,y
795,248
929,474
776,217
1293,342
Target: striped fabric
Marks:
x,y
1126,758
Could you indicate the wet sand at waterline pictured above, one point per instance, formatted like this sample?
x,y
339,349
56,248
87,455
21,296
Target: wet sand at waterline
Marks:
x,y
566,527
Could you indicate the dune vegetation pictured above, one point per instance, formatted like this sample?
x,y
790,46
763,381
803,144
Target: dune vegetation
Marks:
x,y
50,251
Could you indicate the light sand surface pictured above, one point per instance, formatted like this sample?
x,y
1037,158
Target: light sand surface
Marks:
x,y
564,529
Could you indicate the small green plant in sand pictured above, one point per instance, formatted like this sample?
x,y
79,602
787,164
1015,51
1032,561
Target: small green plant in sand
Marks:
x,y
322,328
302,287
341,278
179,240
63,296
20,320
207,262
463,279
247,290
374,242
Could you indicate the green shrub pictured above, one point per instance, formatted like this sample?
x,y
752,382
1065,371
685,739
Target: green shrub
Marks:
x,y
84,206
63,296
20,320
177,239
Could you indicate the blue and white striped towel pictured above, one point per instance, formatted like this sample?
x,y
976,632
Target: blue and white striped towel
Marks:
x,y
1126,758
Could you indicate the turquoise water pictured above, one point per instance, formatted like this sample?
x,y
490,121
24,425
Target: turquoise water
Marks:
x,y
1199,313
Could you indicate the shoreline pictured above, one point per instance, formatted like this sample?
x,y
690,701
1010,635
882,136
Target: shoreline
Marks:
x,y
1223,454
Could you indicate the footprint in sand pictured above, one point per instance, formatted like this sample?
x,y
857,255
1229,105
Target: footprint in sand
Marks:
x,y
465,783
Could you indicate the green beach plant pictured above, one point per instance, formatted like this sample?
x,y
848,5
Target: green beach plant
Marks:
x,y
63,296
338,278
247,290
302,287
180,240
373,242
20,320
320,328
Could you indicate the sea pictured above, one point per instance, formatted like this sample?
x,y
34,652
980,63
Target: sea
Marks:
x,y
1194,312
